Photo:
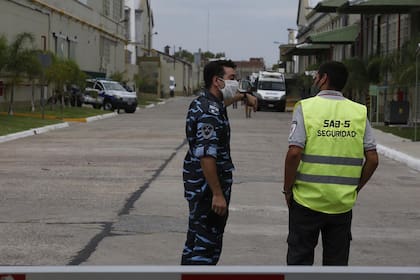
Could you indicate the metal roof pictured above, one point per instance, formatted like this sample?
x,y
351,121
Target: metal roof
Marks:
x,y
379,7
329,6
307,49
345,35
368,6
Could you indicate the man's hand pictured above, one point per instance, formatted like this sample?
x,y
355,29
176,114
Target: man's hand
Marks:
x,y
289,197
252,101
293,156
219,205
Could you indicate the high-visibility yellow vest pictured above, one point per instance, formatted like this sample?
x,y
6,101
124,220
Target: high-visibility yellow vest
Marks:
x,y
332,160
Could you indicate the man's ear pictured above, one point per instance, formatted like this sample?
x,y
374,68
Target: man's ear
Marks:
x,y
214,80
324,80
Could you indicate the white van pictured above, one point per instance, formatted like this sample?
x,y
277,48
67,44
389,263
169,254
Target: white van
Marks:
x,y
271,90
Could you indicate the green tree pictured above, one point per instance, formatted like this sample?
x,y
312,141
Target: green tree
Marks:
x,y
118,77
34,73
208,55
403,71
3,52
357,82
186,55
219,55
20,60
63,73
397,69
374,69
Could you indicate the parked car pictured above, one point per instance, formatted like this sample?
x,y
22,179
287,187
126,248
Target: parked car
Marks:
x,y
92,97
110,95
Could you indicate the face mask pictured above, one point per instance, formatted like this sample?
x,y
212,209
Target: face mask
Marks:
x,y
230,89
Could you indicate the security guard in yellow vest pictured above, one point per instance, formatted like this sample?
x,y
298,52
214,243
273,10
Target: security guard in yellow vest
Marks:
x,y
331,156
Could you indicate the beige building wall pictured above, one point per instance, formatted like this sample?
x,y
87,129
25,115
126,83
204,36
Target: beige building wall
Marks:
x,y
181,71
139,32
87,31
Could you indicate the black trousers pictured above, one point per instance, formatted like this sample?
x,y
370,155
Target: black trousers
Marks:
x,y
304,228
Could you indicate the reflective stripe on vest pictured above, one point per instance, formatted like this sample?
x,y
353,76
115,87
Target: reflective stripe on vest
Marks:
x,y
332,159
327,179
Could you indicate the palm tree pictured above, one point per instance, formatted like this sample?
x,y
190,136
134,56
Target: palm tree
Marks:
x,y
374,69
3,52
357,82
62,73
3,56
404,72
19,61
34,72
58,74
118,76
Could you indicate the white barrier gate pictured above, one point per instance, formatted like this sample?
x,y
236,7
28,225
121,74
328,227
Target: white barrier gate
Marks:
x,y
207,273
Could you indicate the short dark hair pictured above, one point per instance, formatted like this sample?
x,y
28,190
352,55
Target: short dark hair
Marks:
x,y
227,63
215,68
337,74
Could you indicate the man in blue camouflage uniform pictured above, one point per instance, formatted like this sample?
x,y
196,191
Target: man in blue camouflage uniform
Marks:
x,y
208,167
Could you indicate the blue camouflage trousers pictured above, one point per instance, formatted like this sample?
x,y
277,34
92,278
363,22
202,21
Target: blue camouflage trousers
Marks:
x,y
205,227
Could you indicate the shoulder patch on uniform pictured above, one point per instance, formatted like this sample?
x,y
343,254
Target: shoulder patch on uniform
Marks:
x,y
207,130
292,128
213,109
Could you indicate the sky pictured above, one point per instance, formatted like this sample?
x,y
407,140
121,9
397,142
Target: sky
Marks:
x,y
240,28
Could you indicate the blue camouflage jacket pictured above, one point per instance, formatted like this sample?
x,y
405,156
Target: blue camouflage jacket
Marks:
x,y
208,134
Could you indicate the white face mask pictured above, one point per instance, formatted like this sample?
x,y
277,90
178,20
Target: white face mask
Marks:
x,y
230,89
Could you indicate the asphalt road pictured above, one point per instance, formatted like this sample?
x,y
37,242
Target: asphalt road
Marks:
x,y
110,192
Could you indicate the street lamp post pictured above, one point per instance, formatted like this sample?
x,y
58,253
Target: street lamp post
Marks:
x,y
149,46
416,93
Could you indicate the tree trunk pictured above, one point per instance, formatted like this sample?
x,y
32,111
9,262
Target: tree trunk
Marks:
x,y
12,95
33,96
62,105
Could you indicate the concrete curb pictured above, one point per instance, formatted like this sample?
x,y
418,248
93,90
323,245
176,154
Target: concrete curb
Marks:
x,y
410,161
31,132
101,117
35,131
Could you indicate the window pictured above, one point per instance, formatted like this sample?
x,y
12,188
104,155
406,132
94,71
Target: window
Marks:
x,y
104,50
113,86
117,10
127,24
266,85
99,87
106,8
44,42
72,50
405,28
128,55
60,45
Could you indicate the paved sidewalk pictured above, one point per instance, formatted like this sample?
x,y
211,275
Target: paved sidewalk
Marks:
x,y
399,149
